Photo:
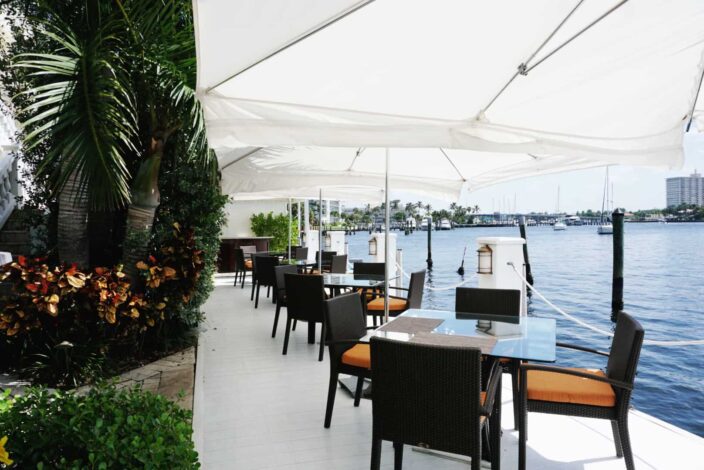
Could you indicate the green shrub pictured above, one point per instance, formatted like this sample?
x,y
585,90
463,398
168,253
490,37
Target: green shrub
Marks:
x,y
105,429
276,226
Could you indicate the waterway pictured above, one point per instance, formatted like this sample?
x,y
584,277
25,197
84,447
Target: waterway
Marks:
x,y
664,290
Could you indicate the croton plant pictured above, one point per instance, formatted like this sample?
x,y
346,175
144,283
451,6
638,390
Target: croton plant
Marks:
x,y
44,295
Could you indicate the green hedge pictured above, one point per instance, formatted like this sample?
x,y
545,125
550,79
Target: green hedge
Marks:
x,y
275,226
105,429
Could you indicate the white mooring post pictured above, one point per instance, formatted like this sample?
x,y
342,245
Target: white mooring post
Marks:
x,y
504,250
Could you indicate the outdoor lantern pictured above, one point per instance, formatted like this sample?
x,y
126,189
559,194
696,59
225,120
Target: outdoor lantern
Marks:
x,y
372,246
484,260
328,241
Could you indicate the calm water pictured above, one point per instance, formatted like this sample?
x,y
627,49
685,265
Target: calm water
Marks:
x,y
664,289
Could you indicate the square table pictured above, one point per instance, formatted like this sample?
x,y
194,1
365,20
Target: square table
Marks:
x,y
535,343
356,281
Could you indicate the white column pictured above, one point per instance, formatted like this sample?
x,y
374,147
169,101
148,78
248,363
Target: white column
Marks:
x,y
505,250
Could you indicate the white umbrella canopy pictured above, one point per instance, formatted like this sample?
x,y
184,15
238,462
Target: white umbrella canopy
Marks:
x,y
415,73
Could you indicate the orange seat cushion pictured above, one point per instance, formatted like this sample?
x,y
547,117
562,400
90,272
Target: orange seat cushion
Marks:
x,y
358,355
248,263
395,305
563,388
370,294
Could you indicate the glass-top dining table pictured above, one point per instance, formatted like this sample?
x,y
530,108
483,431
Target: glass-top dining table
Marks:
x,y
531,339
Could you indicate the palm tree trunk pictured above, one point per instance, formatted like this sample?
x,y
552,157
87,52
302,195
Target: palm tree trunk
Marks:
x,y
72,236
140,215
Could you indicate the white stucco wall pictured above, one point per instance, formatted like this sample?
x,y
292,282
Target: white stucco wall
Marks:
x,y
238,214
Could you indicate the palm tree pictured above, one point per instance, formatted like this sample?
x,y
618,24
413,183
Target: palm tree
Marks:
x,y
83,105
410,208
114,91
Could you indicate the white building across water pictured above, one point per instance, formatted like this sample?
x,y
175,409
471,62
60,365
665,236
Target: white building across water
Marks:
x,y
685,190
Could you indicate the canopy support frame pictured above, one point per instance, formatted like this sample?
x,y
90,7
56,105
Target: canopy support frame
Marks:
x,y
524,68
386,237
694,103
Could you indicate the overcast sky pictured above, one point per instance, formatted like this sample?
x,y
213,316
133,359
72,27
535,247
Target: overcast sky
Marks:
x,y
634,187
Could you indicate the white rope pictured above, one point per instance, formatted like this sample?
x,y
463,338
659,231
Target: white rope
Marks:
x,y
455,286
593,328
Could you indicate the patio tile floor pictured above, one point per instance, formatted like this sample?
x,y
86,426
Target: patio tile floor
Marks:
x,y
257,409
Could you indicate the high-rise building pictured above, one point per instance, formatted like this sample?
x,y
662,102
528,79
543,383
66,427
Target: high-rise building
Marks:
x,y
685,190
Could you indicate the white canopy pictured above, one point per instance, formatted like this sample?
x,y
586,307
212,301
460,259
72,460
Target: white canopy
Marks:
x,y
430,74
357,173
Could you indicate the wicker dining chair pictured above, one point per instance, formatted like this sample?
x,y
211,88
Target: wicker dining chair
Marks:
x,y
345,324
242,266
431,397
397,304
376,269
564,391
263,274
498,302
280,291
327,258
305,294
338,265
301,253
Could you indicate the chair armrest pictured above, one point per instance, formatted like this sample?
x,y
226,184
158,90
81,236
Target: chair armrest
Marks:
x,y
492,386
395,297
577,373
581,348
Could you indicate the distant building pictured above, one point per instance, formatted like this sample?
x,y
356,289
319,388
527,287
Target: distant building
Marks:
x,y
685,190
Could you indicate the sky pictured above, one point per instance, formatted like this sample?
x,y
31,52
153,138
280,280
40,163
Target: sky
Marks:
x,y
633,187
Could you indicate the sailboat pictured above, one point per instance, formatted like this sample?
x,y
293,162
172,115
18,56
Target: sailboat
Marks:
x,y
605,227
559,223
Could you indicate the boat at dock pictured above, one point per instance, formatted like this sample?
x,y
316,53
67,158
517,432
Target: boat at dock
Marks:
x,y
605,227
445,225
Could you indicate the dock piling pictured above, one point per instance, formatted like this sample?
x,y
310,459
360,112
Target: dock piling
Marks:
x,y
617,283
429,260
526,260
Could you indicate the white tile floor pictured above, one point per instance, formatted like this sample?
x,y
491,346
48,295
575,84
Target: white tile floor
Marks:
x,y
257,409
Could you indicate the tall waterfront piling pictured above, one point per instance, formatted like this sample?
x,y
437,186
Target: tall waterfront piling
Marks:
x,y
617,283
429,260
526,260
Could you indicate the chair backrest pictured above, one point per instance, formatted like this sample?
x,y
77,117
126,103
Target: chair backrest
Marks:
x,y
344,320
305,294
339,264
239,259
249,248
327,256
506,302
301,253
412,384
416,288
264,269
368,268
625,349
280,277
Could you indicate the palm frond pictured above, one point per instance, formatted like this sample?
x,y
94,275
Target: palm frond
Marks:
x,y
83,101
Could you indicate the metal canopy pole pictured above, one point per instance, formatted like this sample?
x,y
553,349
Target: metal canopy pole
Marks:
x,y
386,240
694,104
320,231
290,221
